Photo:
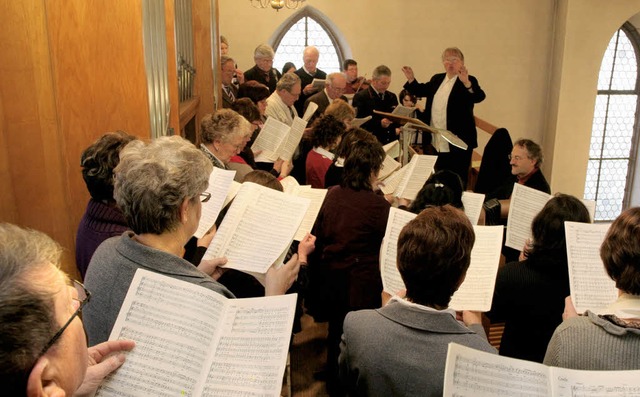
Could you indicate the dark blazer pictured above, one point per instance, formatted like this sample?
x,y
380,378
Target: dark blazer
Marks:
x,y
226,99
322,100
399,350
306,79
366,101
460,118
258,75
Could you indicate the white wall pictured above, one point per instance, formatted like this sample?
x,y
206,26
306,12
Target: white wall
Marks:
x,y
537,60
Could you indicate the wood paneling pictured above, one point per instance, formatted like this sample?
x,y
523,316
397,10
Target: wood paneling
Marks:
x,y
71,71
202,35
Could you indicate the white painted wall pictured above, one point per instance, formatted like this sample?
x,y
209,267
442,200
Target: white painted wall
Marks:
x,y
537,60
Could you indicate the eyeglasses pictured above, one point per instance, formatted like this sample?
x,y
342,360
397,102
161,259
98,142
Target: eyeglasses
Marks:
x,y
452,60
204,197
84,296
516,158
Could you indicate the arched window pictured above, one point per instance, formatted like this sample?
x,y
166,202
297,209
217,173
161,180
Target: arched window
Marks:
x,y
308,27
613,148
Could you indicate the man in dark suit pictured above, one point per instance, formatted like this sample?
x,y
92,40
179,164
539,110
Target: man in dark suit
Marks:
x,y
307,73
333,88
450,100
263,71
229,91
376,97
401,348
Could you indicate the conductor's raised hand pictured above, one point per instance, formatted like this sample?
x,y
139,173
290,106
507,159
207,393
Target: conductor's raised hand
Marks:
x,y
278,281
408,73
463,75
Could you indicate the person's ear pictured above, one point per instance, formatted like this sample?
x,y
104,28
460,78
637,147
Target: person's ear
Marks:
x,y
41,381
184,210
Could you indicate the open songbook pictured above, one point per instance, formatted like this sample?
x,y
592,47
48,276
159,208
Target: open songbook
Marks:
x,y
278,140
311,109
316,197
469,372
318,84
191,341
476,292
220,182
591,287
408,180
525,203
258,229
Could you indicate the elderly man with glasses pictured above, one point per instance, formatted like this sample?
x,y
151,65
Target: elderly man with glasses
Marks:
x,y
43,345
334,87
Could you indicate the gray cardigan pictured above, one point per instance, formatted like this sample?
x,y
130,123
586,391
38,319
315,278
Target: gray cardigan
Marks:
x,y
400,350
590,342
110,273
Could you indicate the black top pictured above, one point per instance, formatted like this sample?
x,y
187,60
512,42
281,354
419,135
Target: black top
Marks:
x,y
529,298
365,102
260,76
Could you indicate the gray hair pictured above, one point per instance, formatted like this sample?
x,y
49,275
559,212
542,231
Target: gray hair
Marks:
x,y
263,51
223,126
287,81
226,58
310,49
27,310
534,150
153,180
380,71
453,50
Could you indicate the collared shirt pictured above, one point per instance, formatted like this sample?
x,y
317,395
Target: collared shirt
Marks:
x,y
627,306
525,178
422,307
308,72
212,157
439,112
324,152
279,110
327,94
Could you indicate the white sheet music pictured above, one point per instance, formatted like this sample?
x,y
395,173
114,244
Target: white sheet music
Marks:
x,y
472,205
233,190
311,109
591,287
289,184
525,205
258,228
575,383
391,279
388,166
420,168
404,111
392,149
316,197
270,138
292,139
392,182
180,328
220,182
355,123
470,372
476,292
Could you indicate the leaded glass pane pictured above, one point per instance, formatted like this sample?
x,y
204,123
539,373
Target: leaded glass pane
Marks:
x,y
293,43
613,180
613,128
625,68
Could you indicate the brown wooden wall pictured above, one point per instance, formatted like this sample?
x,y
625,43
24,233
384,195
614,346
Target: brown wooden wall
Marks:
x,y
71,70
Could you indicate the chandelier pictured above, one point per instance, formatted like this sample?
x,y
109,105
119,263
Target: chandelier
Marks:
x,y
277,4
